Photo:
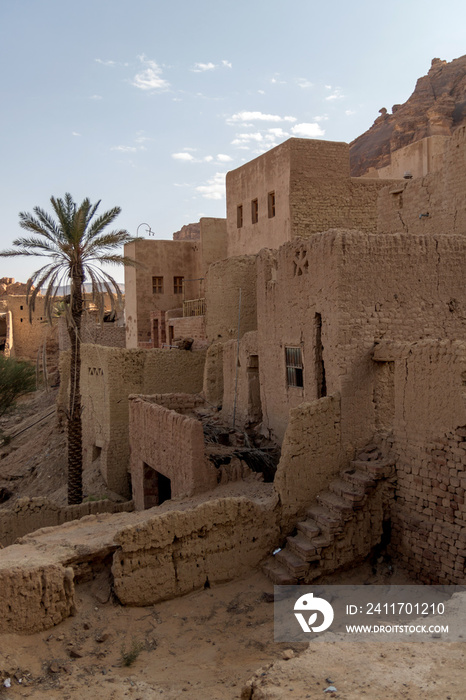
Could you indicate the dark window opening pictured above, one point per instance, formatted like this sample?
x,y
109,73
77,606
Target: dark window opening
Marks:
x,y
271,204
157,487
294,366
255,211
96,452
157,285
178,285
239,216
320,367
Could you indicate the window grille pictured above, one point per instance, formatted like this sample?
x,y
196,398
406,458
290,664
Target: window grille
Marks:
x,y
294,366
157,285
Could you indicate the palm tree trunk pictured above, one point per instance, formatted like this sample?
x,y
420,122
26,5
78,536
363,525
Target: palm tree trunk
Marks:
x,y
75,449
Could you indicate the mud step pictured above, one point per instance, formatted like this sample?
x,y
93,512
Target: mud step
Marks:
x,y
278,574
291,561
322,540
336,504
309,528
358,478
352,493
325,518
302,547
379,469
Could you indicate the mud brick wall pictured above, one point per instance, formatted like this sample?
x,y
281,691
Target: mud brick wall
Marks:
x,y
176,552
440,194
108,334
365,287
310,455
223,282
28,337
30,514
189,327
170,443
243,384
108,377
175,402
429,441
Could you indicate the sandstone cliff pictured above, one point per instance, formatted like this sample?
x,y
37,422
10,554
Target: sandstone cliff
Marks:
x,y
437,106
190,232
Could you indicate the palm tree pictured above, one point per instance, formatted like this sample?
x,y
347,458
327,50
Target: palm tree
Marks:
x,y
74,242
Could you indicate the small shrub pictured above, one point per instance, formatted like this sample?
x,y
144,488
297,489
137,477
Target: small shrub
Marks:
x,y
130,656
16,378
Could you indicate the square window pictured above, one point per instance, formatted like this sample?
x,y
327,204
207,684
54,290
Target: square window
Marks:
x,y
178,285
294,366
271,204
239,216
255,211
157,285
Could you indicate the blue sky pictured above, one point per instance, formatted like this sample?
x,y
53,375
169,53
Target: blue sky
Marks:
x,y
147,104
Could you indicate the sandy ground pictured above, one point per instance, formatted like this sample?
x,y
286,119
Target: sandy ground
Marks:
x,y
214,644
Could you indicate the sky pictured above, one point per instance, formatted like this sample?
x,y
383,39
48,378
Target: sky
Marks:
x,y
147,104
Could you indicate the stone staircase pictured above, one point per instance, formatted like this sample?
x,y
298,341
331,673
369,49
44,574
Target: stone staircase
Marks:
x,y
333,518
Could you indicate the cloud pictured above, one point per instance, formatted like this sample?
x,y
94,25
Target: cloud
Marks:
x,y
75,133
222,158
307,130
215,187
261,92
127,149
321,118
208,159
110,64
203,67
96,97
350,112
257,116
183,156
151,77
336,94
303,83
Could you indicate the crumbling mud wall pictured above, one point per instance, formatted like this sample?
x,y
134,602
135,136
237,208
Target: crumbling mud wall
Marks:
x,y
157,554
213,374
332,298
108,377
434,204
310,457
224,279
30,514
180,551
36,594
164,441
27,337
241,395
429,441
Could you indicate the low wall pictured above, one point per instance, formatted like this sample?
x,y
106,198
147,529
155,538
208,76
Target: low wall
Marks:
x,y
310,455
30,514
170,444
180,551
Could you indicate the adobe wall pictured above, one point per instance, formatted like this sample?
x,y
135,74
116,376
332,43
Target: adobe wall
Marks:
x,y
108,334
212,387
28,337
439,194
243,383
177,552
30,514
224,279
310,455
365,287
254,180
189,327
213,242
418,159
313,192
429,441
167,259
170,443
108,377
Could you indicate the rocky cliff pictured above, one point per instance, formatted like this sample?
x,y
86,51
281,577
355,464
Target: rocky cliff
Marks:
x,y
437,106
190,232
